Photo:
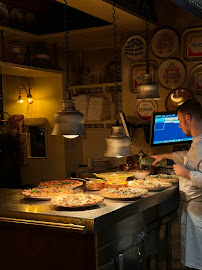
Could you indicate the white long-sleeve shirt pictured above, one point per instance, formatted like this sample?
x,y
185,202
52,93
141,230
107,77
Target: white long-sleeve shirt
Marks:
x,y
192,160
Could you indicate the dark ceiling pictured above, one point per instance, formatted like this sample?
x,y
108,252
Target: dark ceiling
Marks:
x,y
50,16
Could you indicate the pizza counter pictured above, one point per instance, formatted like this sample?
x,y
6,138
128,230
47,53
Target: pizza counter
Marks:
x,y
114,235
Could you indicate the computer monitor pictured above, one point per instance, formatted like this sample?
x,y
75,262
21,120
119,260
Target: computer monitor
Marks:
x,y
165,130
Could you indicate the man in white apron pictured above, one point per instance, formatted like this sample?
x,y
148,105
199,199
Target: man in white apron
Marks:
x,y
188,165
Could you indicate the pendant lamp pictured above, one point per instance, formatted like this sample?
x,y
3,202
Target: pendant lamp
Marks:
x,y
147,89
68,122
118,144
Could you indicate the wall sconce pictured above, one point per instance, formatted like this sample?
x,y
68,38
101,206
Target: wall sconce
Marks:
x,y
20,100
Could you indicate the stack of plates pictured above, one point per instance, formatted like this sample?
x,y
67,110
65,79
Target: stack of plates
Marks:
x,y
98,109
101,165
81,104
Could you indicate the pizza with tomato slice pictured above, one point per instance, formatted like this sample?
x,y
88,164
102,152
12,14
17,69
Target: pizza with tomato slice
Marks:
x,y
67,183
45,193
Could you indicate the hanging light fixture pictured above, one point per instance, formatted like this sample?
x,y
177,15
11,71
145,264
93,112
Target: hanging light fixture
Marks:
x,y
68,122
20,100
147,89
118,144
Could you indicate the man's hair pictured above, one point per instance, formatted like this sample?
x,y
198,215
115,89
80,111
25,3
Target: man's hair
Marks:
x,y
192,108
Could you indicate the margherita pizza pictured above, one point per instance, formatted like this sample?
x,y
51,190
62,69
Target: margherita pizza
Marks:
x,y
153,185
171,178
77,200
123,192
67,183
45,193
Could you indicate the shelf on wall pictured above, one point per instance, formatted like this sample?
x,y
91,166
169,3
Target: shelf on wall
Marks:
x,y
27,71
83,86
100,123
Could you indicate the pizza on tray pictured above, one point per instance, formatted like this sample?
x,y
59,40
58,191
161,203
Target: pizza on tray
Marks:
x,y
67,183
123,192
171,178
152,185
45,193
114,175
77,200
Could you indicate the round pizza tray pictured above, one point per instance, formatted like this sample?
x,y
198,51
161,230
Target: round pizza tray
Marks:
x,y
38,198
123,199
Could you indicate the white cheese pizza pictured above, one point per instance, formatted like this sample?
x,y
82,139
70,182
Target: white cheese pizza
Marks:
x,y
77,200
152,185
171,178
123,192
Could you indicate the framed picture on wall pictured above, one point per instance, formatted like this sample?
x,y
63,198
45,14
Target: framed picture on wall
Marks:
x,y
192,44
165,43
138,71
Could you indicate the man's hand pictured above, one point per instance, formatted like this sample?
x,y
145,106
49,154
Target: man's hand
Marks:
x,y
157,158
180,170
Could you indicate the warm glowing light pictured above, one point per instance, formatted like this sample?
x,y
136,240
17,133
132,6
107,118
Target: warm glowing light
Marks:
x,y
70,136
176,99
30,100
119,156
20,101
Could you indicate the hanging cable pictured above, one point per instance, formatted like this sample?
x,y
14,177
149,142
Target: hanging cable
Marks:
x,y
67,80
115,66
147,45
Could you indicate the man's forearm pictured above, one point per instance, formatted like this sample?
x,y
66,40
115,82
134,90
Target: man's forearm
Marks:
x,y
168,155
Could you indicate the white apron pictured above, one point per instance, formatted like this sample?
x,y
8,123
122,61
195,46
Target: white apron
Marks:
x,y
191,222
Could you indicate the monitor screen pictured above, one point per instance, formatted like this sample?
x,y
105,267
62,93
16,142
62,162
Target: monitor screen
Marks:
x,y
165,130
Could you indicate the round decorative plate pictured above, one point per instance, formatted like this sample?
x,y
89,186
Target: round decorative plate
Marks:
x,y
135,48
16,17
4,14
195,80
171,74
165,42
176,97
30,22
145,108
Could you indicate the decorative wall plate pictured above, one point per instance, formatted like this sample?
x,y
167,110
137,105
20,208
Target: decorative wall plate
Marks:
x,y
195,80
192,44
4,14
171,74
16,18
176,97
135,48
165,42
30,22
138,71
145,108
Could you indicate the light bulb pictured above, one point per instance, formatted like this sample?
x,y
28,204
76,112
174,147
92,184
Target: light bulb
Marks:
x,y
20,99
30,98
119,156
70,136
